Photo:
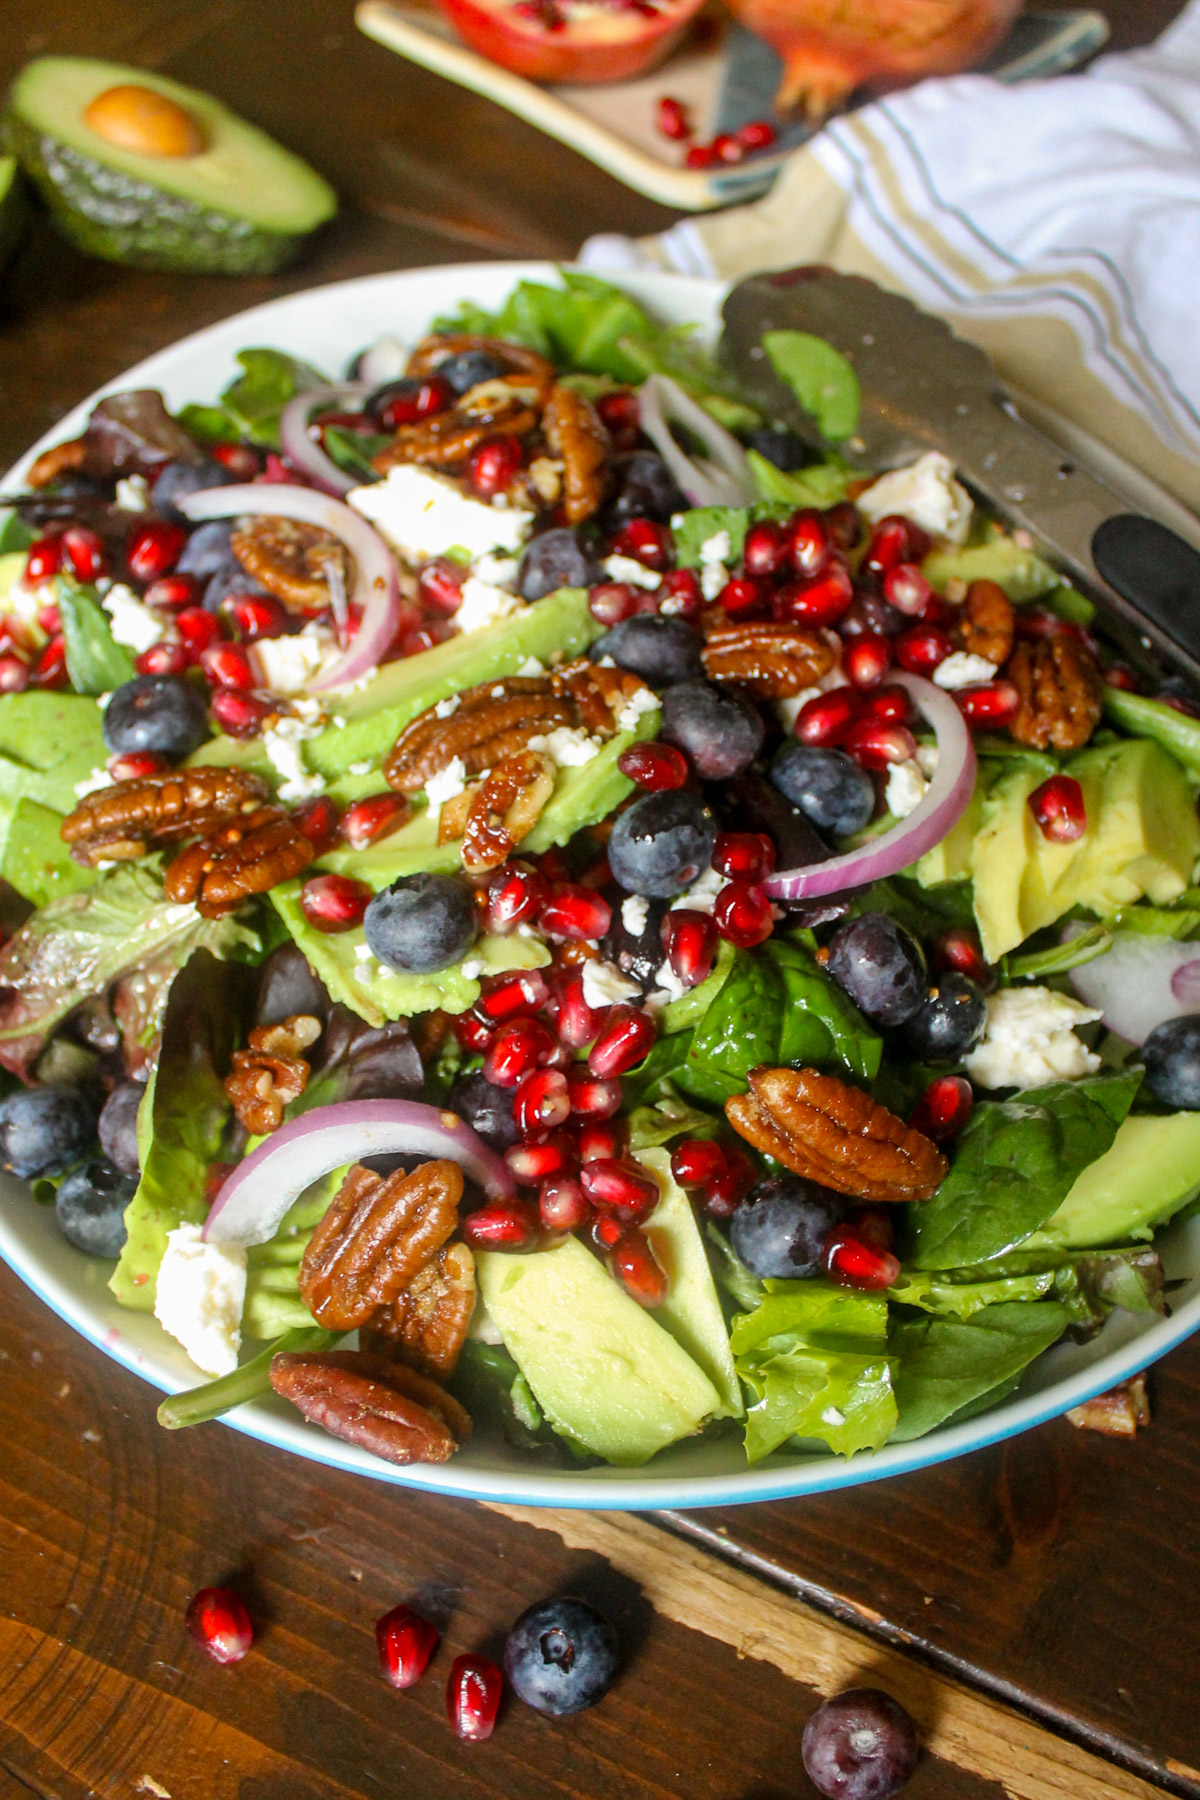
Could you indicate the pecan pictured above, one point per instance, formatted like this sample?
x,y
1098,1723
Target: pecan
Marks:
x,y
774,661
1060,693
61,459
450,437
426,1326
367,1400
235,861
599,694
506,806
1121,1412
379,1232
985,625
836,1135
575,434
118,821
300,564
490,722
523,366
271,1072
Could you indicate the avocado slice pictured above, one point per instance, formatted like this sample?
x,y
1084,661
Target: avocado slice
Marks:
x,y
602,1369
691,1311
35,859
1150,1172
951,859
13,210
222,199
1003,846
1023,574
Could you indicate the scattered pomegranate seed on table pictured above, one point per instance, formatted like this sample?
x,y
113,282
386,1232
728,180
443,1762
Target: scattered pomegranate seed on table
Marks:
x,y
406,1642
217,1620
473,1694
1059,809
672,119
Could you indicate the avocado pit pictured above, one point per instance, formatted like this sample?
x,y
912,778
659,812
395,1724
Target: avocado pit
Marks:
x,y
137,118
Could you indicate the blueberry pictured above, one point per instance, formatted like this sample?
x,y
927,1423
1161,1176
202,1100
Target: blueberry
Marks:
x,y
861,1745
660,650
421,923
90,1207
779,446
117,1129
949,1023
752,803
781,1226
44,1130
638,954
486,1109
661,844
881,966
155,712
1171,1054
555,559
646,489
178,479
230,578
207,550
468,369
561,1656
827,785
869,612
720,730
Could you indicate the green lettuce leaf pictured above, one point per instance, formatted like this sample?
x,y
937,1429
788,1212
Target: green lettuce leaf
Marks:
x,y
820,484
252,403
945,1365
35,859
822,379
671,1117
96,662
1014,1165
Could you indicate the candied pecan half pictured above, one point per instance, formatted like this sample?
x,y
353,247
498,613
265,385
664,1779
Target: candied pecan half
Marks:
x,y
301,564
1121,1412
450,437
119,821
380,1405
984,627
505,807
232,863
271,1071
60,459
522,365
490,722
1060,693
817,1126
575,434
426,1326
773,660
599,694
379,1232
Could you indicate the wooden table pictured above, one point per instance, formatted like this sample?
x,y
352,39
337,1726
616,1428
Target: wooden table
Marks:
x,y
1035,1605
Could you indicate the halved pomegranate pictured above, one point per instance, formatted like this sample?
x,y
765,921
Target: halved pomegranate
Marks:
x,y
572,40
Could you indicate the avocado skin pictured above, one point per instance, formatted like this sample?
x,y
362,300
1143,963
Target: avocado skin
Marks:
x,y
108,214
14,212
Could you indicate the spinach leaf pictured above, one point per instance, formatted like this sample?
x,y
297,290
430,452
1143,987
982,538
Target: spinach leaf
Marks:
x,y
644,1084
1056,959
1014,1165
353,450
252,403
822,379
946,1364
820,484
818,1013
96,663
691,1006
740,1030
652,1126
816,1357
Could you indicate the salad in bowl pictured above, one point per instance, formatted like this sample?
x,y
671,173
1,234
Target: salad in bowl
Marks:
x,y
539,914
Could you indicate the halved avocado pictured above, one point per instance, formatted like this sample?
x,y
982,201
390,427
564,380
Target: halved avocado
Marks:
x,y
12,207
217,196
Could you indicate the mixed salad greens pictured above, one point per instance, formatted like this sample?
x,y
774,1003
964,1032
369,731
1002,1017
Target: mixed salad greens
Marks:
x,y
508,855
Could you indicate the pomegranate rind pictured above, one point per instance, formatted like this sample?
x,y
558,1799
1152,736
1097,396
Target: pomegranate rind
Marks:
x,y
612,47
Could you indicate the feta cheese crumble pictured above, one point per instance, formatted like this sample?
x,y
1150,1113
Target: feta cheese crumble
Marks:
x,y
567,746
642,700
715,553
447,784
199,1296
449,705
628,569
282,743
422,514
604,985
132,494
288,665
131,621
963,669
483,604
927,493
702,895
635,911
91,784
906,787
1029,1040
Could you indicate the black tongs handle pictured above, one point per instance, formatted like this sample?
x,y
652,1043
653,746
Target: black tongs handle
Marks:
x,y
1156,571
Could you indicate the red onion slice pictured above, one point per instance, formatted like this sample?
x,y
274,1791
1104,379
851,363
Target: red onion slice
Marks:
x,y
376,589
944,803
1140,982
298,445
721,479
255,1199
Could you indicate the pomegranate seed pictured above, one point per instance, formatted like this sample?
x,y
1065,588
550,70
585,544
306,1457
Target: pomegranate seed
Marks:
x,y
613,601
197,630
375,816
601,1138
726,148
518,1047
238,714
255,616
679,595
513,893
317,820
696,1162
1120,675
473,1697
646,542
562,1204
922,648
511,1225
50,620
843,522
853,1261
171,591
135,765
573,911
406,1642
867,660
654,766
690,941
1037,622
153,549
227,665
333,903
895,540
493,464
991,703
164,658
905,588
700,156
14,674
592,1097
730,1186
605,1231
807,544
241,460
758,134
625,1038
765,548
958,948
576,1022
943,1108
876,745
440,584
43,559
541,1102
619,410
743,914
743,855
633,1262
471,1033
742,596
516,993
619,1185
434,631
890,704
83,553
50,669
672,119
218,1621
827,719
819,602
431,395
531,1164
1059,809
